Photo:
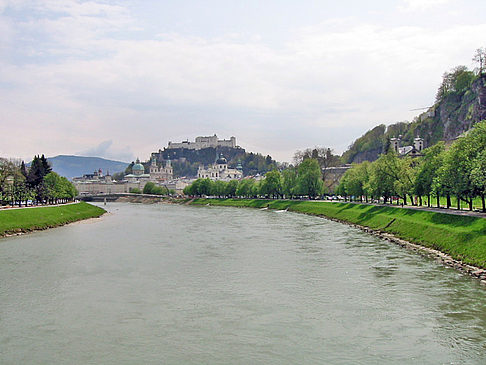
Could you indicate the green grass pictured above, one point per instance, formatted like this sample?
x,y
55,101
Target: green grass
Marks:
x,y
31,219
462,237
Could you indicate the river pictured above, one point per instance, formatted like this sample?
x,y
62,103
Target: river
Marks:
x,y
170,284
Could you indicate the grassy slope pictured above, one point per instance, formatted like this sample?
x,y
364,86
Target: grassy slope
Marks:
x,y
30,219
464,238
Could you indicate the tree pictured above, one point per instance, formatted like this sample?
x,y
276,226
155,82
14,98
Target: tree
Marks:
x,y
478,175
246,188
456,80
289,180
355,181
381,180
455,174
323,155
309,178
148,188
231,186
480,58
427,172
272,184
218,188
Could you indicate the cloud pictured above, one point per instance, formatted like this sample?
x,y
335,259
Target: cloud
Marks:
x,y
421,5
85,75
105,149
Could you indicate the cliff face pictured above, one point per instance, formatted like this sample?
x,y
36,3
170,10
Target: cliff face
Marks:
x,y
455,114
458,113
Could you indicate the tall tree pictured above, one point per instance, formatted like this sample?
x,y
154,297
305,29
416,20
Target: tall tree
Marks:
x,y
309,178
480,58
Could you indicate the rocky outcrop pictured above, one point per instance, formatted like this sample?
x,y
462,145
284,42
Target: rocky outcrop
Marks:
x,y
455,114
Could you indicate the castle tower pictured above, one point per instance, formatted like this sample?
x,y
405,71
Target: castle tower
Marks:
x,y
395,144
418,143
153,167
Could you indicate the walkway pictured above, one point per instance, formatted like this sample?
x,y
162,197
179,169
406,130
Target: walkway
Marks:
x,y
451,210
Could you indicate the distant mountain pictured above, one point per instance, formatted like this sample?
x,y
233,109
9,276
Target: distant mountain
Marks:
x,y
73,166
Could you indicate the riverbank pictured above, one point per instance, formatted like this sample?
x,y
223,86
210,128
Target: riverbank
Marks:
x,y
18,221
458,241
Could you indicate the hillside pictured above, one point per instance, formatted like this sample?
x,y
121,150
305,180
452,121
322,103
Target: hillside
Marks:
x,y
73,166
458,107
186,162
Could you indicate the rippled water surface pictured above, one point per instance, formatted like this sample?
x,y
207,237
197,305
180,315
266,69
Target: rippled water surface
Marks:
x,y
161,284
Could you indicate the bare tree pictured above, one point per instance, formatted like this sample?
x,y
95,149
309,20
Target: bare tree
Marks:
x,y
480,58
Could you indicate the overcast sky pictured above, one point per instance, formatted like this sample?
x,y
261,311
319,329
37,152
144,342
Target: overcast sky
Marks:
x,y
119,79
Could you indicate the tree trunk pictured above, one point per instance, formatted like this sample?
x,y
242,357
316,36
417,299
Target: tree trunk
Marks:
x,y
471,204
420,200
448,201
438,201
405,199
458,202
484,203
428,200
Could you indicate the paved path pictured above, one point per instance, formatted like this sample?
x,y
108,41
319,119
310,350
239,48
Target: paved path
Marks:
x,y
453,211
36,206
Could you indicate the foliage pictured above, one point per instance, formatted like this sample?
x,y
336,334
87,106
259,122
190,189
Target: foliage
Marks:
x,y
272,184
309,178
19,185
324,157
151,188
306,180
455,81
458,171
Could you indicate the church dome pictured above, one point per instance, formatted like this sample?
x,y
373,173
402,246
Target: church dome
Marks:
x,y
221,160
138,167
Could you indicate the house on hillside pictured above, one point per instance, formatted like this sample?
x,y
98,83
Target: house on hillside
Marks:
x,y
412,151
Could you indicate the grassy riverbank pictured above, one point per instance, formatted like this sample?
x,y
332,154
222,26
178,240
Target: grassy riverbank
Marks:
x,y
462,237
31,219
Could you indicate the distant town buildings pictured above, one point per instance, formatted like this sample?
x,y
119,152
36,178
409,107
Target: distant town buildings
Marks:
x,y
97,183
219,171
204,142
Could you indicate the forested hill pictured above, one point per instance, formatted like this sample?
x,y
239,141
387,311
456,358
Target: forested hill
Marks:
x,y
186,162
460,103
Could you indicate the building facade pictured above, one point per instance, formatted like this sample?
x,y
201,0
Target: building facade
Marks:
x,y
160,173
220,171
413,151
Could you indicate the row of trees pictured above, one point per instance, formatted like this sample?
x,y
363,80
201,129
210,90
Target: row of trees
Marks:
x,y
303,180
37,184
458,171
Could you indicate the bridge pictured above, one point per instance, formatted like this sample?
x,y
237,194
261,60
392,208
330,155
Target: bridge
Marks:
x,y
123,197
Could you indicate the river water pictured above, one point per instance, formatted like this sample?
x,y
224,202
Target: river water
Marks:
x,y
169,284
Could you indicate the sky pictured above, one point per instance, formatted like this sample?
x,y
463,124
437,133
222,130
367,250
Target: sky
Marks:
x,y
120,79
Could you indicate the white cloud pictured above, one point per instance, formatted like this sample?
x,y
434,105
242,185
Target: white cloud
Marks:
x,y
422,5
342,76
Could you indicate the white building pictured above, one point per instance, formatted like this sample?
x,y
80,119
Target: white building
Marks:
x,y
220,171
159,173
204,142
413,151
